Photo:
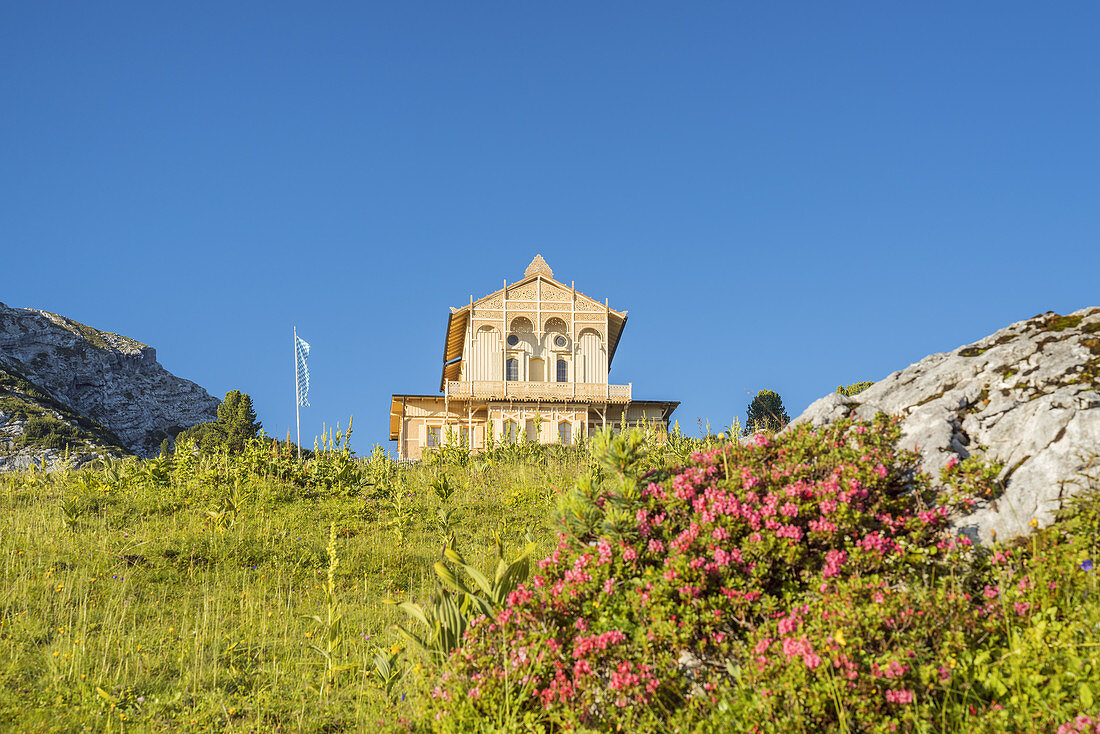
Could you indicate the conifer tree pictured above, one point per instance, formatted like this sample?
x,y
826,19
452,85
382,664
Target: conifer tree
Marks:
x,y
237,420
235,425
766,412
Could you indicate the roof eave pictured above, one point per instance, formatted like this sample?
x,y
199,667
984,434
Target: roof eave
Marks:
x,y
615,346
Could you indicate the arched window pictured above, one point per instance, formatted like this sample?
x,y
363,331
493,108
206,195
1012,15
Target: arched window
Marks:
x,y
511,431
513,370
555,328
591,365
521,325
485,355
565,433
563,371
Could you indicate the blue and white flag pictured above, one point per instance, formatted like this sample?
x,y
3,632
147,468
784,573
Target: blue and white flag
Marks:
x,y
301,370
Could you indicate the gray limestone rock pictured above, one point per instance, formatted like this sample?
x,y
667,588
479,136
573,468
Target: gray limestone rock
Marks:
x,y
112,380
1027,397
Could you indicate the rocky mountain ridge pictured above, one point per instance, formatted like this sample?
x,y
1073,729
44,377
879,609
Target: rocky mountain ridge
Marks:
x,y
1026,398
109,389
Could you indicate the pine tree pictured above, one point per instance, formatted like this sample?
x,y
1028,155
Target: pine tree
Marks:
x,y
244,426
766,412
237,420
235,425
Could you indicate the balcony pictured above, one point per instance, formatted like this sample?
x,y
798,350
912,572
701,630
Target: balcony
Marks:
x,y
562,392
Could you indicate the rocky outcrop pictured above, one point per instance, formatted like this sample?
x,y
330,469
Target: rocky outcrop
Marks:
x,y
38,431
108,380
1026,397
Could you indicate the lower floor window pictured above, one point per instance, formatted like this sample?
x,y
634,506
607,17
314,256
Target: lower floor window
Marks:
x,y
434,433
565,433
464,435
511,431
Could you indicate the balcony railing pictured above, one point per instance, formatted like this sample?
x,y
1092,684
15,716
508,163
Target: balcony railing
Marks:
x,y
554,391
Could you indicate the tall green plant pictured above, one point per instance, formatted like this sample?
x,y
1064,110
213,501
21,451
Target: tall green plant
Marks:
x,y
331,637
459,600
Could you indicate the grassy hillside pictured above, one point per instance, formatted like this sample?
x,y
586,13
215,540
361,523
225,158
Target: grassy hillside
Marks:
x,y
179,593
246,594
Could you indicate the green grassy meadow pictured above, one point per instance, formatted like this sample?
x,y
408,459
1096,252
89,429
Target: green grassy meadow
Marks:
x,y
180,596
247,594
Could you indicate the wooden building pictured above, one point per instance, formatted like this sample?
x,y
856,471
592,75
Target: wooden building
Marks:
x,y
528,362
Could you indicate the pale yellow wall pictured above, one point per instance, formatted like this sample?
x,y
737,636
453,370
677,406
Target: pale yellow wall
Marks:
x,y
552,416
545,311
584,420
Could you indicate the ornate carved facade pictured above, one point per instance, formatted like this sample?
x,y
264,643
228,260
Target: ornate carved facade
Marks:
x,y
528,362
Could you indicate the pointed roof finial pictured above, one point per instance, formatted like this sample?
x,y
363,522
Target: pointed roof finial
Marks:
x,y
538,266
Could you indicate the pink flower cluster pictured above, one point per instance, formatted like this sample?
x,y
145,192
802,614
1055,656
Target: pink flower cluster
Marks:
x,y
834,560
801,647
583,646
1081,724
903,695
520,596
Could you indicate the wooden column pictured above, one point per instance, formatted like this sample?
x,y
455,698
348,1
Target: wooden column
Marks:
x,y
573,328
504,336
467,361
403,449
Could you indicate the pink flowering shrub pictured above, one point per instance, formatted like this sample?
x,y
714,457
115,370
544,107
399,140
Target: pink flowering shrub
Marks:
x,y
664,592
872,647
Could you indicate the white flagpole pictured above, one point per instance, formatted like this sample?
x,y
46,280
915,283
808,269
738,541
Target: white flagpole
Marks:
x,y
297,401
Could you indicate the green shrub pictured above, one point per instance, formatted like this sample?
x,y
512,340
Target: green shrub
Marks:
x,y
854,389
47,432
974,476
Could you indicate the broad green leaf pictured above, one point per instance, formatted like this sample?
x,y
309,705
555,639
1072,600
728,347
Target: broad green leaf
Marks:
x,y
415,611
479,579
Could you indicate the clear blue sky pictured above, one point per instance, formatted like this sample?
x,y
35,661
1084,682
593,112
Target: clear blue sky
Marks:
x,y
784,195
